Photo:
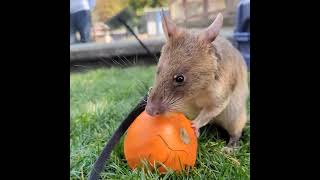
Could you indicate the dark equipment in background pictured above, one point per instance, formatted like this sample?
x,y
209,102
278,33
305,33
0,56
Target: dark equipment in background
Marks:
x,y
120,19
126,14
242,30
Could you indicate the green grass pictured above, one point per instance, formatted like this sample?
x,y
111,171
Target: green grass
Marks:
x,y
101,98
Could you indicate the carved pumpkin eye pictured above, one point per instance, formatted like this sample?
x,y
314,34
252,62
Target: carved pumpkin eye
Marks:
x,y
179,78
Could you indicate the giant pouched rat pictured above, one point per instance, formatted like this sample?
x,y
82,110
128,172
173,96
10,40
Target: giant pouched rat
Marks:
x,y
204,76
200,74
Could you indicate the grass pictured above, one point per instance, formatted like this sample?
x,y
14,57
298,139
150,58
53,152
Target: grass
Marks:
x,y
101,98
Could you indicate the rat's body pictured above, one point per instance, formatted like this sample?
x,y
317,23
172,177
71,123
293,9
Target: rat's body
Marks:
x,y
203,76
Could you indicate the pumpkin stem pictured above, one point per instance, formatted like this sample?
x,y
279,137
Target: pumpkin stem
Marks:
x,y
184,136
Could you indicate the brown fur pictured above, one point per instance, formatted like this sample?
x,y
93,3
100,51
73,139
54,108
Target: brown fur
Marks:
x,y
215,87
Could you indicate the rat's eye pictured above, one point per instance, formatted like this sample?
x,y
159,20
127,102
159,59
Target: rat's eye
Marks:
x,y
179,78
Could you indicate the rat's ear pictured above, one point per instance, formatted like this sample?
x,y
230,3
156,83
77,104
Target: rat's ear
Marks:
x,y
169,28
210,34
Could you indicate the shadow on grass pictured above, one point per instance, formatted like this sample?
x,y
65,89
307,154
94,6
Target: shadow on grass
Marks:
x,y
216,132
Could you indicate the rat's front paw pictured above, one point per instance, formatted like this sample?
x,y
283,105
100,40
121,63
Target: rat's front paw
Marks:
x,y
195,127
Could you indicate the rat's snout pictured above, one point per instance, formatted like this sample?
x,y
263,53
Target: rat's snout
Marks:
x,y
154,108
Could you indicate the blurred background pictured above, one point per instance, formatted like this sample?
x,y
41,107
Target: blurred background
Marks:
x,y
144,16
114,28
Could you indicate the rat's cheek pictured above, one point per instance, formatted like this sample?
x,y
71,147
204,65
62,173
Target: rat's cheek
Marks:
x,y
148,109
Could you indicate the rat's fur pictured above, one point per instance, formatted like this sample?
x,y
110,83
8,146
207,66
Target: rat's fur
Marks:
x,y
215,87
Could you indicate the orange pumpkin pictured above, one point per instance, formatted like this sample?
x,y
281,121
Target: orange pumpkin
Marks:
x,y
167,138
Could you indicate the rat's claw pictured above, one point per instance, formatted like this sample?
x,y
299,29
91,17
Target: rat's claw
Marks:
x,y
195,127
227,150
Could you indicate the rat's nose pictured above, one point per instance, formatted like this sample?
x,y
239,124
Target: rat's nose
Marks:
x,y
152,112
154,109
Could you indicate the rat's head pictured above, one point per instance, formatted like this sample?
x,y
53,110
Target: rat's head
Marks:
x,y
186,66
